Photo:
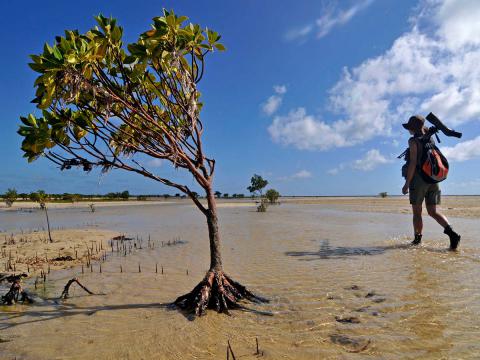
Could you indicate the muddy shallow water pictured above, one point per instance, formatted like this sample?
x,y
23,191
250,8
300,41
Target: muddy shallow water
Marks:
x,y
342,286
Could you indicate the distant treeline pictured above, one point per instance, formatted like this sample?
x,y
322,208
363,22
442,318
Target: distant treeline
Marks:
x,y
13,195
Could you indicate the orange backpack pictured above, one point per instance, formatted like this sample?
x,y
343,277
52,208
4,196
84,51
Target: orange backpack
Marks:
x,y
433,165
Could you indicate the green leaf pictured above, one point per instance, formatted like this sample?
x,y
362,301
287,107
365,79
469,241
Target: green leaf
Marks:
x,y
57,53
47,49
36,59
116,34
79,133
31,119
171,21
37,67
137,49
24,130
181,19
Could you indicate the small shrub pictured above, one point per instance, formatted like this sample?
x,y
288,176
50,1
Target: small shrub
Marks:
x,y
10,197
262,207
272,195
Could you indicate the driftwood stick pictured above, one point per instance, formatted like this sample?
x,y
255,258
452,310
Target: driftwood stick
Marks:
x,y
231,350
67,288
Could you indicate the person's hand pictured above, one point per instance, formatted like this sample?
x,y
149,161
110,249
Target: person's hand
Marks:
x,y
405,189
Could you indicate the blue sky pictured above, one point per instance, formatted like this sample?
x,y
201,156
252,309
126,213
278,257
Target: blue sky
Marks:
x,y
311,96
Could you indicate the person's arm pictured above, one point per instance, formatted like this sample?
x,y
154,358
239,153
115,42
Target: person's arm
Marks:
x,y
411,166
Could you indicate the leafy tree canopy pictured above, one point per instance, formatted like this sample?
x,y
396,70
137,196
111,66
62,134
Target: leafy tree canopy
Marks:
x,y
257,184
101,102
10,196
40,196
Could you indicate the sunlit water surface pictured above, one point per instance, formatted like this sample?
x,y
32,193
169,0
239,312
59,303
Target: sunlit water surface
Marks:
x,y
316,265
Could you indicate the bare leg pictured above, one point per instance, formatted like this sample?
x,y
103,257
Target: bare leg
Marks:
x,y
439,217
417,219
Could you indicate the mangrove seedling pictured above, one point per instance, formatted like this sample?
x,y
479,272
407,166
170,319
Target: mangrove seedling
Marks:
x,y
272,196
42,197
10,197
257,185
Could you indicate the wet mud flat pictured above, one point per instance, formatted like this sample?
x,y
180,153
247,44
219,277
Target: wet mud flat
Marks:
x,y
342,285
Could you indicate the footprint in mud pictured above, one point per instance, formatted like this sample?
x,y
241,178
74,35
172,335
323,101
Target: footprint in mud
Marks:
x,y
333,297
353,287
363,309
358,292
350,344
376,298
347,319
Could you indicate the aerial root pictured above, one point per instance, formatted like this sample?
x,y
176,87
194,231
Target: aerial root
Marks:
x,y
216,291
16,292
65,293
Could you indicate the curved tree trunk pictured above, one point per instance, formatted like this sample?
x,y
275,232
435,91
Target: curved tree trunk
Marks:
x,y
217,290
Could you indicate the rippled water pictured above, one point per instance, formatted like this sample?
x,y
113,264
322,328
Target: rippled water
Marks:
x,y
318,266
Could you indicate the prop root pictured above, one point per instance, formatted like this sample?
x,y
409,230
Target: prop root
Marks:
x,y
67,288
16,292
216,291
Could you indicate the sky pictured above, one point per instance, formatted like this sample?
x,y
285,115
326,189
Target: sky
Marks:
x,y
310,96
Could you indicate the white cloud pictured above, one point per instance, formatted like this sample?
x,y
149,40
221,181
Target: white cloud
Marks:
x,y
337,169
392,142
273,102
280,89
421,72
372,159
469,184
337,17
155,162
302,174
458,21
304,131
463,151
301,32
332,17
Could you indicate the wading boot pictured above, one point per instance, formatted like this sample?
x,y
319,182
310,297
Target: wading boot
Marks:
x,y
417,240
454,237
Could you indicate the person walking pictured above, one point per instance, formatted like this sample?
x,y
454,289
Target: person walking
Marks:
x,y
418,189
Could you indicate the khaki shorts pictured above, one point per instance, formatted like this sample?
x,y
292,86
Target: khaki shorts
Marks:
x,y
419,190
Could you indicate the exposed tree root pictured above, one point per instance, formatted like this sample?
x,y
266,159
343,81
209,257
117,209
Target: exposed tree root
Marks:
x,y
16,293
216,291
67,288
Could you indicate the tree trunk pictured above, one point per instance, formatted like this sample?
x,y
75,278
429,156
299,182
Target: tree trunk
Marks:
x,y
217,290
213,233
48,224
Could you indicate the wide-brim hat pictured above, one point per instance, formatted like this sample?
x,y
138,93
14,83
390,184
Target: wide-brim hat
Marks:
x,y
415,123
